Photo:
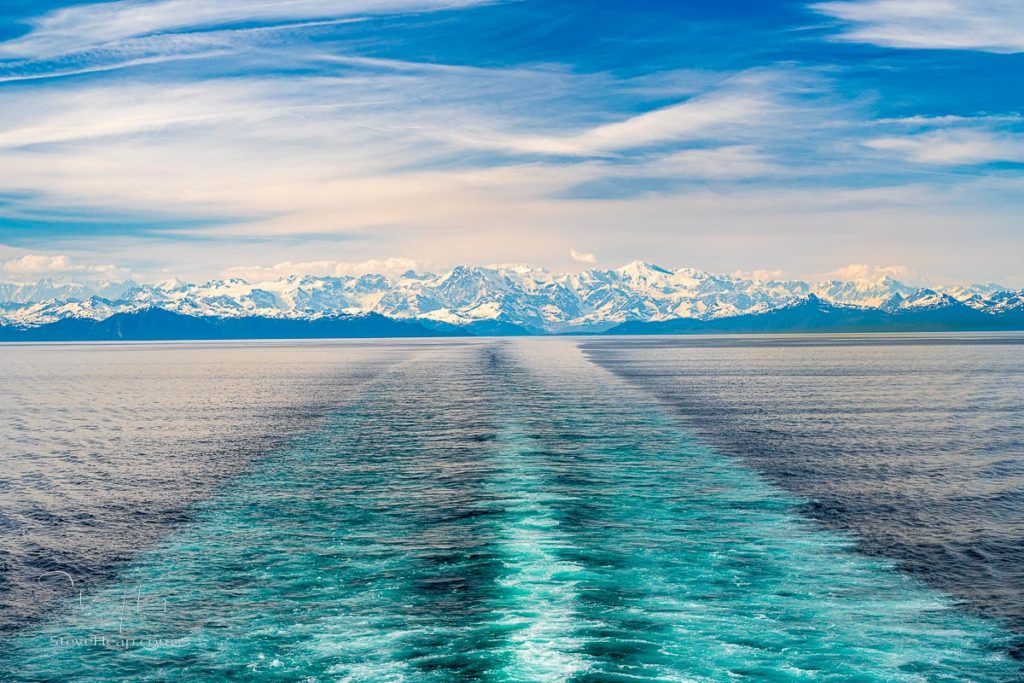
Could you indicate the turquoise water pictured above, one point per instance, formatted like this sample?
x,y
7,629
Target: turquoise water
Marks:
x,y
505,511
912,443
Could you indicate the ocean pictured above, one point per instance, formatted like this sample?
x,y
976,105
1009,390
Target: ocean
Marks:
x,y
540,509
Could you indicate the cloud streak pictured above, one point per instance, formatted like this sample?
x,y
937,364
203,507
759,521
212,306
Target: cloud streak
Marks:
x,y
953,147
985,25
364,150
737,107
82,27
333,132
729,162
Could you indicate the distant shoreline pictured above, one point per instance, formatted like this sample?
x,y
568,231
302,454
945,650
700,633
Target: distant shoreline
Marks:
x,y
811,316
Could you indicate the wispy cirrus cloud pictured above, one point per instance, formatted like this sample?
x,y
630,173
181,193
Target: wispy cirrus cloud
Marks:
x,y
98,113
371,146
363,161
954,147
82,27
735,108
715,163
203,132
149,50
690,119
985,25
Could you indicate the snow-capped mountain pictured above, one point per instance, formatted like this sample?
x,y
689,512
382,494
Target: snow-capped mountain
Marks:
x,y
532,298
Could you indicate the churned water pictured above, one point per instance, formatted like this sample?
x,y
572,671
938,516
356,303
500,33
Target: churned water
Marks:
x,y
914,443
493,510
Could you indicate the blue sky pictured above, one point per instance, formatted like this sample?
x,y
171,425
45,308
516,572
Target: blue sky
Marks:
x,y
209,137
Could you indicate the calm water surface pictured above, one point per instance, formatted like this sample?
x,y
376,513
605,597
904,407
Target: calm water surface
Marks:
x,y
504,510
104,446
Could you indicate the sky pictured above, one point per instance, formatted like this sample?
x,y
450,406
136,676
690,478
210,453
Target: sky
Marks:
x,y
206,138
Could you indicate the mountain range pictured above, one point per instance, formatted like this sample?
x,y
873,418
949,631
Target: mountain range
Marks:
x,y
635,299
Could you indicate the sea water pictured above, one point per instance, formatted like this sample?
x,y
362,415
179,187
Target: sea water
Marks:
x,y
913,443
491,510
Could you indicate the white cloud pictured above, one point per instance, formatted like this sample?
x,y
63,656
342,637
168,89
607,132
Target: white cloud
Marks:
x,y
729,162
680,121
34,266
362,151
582,256
949,119
987,25
382,157
82,27
761,274
391,267
91,114
953,147
954,230
871,273
737,107
366,155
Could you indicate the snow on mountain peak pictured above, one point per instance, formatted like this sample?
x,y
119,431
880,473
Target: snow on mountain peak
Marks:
x,y
509,293
642,269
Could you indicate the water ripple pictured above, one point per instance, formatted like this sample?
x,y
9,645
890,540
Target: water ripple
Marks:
x,y
506,511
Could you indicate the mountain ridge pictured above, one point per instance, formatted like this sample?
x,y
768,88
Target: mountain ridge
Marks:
x,y
513,299
814,315
810,315
157,324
